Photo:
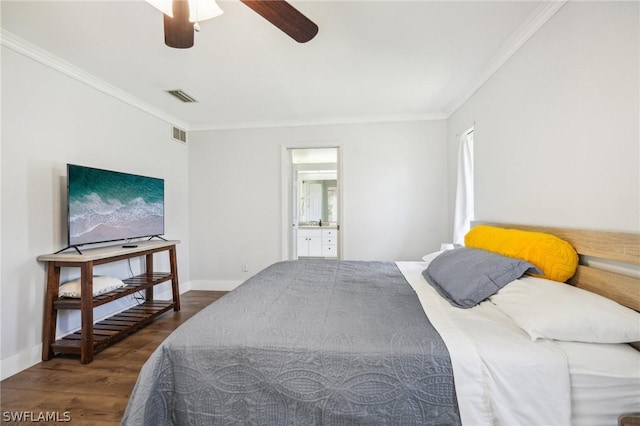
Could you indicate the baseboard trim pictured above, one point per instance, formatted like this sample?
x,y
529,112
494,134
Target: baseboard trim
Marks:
x,y
20,361
214,285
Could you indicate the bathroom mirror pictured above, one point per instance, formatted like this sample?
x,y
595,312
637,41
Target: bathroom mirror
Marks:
x,y
318,200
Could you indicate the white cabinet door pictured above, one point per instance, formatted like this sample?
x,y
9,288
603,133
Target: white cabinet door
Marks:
x,y
303,246
315,246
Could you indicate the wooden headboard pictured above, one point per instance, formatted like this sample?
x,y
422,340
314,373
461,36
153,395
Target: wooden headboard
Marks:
x,y
603,255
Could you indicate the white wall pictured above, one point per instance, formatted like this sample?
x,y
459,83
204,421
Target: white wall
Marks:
x,y
48,120
557,127
394,193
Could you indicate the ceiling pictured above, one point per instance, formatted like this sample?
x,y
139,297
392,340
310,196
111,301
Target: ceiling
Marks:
x,y
371,60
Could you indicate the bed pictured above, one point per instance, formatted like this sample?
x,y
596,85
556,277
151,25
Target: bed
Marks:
x,y
357,342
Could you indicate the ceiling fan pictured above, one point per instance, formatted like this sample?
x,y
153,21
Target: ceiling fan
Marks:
x,y
181,19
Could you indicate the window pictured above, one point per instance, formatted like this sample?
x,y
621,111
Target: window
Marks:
x,y
463,214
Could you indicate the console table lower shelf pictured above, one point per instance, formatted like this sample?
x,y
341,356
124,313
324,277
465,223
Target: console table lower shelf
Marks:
x,y
114,328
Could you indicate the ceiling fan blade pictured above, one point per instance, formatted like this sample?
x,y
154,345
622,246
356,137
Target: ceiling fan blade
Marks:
x,y
178,31
286,17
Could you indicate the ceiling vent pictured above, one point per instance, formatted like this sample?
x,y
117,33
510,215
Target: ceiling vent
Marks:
x,y
182,96
179,134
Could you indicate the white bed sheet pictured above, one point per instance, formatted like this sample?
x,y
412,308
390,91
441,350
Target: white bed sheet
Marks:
x,y
501,376
605,381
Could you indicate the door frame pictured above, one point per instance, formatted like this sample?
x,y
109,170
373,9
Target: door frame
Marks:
x,y
287,226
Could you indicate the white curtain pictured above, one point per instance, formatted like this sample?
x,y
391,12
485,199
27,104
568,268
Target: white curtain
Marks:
x,y
463,214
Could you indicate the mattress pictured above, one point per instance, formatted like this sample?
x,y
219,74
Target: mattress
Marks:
x,y
605,381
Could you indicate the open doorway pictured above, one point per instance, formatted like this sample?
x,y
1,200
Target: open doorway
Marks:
x,y
313,203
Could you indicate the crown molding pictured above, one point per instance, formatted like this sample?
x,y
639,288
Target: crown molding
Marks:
x,y
30,50
321,122
534,22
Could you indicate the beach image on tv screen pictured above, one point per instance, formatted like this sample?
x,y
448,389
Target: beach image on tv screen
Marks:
x,y
108,206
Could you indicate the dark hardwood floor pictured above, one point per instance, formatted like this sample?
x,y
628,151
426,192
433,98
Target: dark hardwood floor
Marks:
x,y
95,393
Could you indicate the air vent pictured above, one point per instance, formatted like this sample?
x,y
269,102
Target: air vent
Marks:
x,y
179,134
182,96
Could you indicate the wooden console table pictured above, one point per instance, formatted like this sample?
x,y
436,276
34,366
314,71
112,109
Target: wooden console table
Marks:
x,y
93,337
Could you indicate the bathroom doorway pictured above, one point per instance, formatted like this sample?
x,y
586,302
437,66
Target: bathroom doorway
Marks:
x,y
311,184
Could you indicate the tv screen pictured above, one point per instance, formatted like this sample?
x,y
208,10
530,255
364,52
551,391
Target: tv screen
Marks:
x,y
106,205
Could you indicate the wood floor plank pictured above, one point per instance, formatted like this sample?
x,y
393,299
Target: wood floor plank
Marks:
x,y
95,393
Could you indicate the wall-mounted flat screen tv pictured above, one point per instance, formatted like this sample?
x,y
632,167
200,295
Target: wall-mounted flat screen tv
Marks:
x,y
106,205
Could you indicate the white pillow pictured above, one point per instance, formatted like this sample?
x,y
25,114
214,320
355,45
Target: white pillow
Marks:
x,y
551,310
100,285
429,257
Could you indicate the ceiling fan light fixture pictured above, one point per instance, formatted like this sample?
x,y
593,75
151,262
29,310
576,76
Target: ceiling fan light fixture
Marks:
x,y
199,10
181,18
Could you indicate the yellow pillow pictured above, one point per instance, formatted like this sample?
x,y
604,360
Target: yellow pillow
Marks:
x,y
554,256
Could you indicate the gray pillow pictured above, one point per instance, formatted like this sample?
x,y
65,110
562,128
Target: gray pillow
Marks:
x,y
467,276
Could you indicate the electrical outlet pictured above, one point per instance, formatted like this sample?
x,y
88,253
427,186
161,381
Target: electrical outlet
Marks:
x,y
245,267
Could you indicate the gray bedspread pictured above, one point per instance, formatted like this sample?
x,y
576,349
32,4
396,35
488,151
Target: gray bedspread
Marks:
x,y
303,343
